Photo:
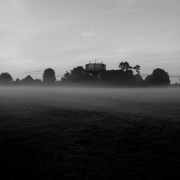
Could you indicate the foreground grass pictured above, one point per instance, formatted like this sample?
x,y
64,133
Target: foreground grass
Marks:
x,y
41,139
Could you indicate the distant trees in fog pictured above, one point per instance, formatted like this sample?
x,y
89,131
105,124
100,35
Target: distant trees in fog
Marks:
x,y
27,80
80,75
158,78
5,78
125,76
122,77
49,76
126,67
18,81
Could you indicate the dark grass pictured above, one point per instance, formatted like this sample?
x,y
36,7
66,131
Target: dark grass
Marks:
x,y
47,141
63,144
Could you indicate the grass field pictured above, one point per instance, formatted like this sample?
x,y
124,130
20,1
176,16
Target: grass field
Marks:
x,y
89,133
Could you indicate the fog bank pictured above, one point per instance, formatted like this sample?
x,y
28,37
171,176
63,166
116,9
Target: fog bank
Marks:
x,y
147,101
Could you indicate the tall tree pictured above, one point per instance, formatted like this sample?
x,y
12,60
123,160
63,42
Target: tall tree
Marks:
x,y
5,78
139,79
158,78
148,80
137,68
49,76
77,72
124,66
66,77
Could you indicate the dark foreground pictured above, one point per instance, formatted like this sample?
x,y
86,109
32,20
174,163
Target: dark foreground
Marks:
x,y
51,142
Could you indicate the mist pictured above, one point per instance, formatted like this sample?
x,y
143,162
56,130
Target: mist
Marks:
x,y
89,133
147,101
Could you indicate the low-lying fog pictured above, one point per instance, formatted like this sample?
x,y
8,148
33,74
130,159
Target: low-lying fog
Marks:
x,y
158,101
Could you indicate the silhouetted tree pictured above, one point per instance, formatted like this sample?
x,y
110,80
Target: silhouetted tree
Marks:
x,y
92,76
118,78
129,78
5,78
17,82
148,80
112,77
122,77
28,80
158,78
124,66
139,80
49,76
67,76
79,75
137,68
38,82
77,72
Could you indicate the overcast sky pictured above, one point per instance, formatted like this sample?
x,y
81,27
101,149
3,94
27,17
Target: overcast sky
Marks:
x,y
63,34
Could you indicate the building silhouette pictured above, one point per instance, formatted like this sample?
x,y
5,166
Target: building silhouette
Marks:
x,y
95,66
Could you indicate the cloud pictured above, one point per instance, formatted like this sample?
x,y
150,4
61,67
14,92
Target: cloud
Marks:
x,y
89,33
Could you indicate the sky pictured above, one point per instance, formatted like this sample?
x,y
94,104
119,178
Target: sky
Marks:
x,y
63,34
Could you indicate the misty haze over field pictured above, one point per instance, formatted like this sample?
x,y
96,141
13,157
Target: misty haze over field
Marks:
x,y
89,133
132,100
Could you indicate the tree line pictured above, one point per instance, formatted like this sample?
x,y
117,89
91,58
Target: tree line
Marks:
x,y
126,75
